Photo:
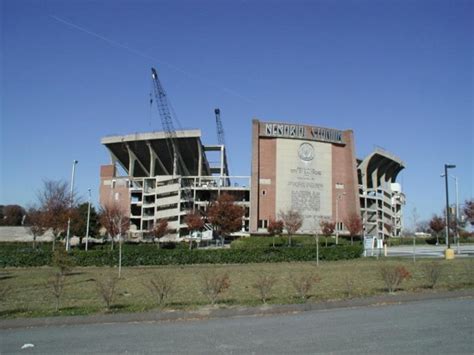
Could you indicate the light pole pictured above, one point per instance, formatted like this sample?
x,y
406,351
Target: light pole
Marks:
x,y
88,219
338,197
457,210
74,162
446,167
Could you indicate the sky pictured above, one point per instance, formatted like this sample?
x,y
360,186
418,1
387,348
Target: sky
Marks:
x,y
399,73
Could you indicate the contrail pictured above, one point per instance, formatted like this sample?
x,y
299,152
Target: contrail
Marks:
x,y
146,56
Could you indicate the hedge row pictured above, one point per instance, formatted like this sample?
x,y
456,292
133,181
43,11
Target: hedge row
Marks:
x,y
150,255
282,241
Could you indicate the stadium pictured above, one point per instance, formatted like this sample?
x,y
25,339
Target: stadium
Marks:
x,y
311,169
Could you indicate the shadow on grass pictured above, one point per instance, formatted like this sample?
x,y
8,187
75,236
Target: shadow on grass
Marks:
x,y
6,276
9,313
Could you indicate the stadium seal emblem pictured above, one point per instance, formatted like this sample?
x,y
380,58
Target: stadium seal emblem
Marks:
x,y
306,152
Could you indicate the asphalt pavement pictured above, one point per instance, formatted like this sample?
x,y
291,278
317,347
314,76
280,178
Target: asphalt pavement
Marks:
x,y
433,326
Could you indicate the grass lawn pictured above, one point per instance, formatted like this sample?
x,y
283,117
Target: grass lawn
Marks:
x,y
24,291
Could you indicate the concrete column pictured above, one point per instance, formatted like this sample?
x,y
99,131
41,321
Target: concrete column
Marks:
x,y
199,169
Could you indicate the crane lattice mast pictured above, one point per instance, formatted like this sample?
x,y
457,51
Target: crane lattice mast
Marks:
x,y
220,127
167,123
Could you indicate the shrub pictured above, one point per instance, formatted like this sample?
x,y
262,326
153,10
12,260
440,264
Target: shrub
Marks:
x,y
107,288
161,287
304,284
264,285
348,286
432,272
4,291
213,285
393,275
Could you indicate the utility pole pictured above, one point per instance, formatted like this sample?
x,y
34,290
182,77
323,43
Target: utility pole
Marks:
x,y
446,167
68,246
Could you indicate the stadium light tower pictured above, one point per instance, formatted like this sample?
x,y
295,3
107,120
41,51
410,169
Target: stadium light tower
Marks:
x,y
446,167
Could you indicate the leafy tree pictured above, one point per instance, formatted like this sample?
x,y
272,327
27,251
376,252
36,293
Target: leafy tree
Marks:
x,y
194,222
275,227
13,215
437,225
160,229
354,225
293,221
225,215
79,221
54,200
327,229
34,221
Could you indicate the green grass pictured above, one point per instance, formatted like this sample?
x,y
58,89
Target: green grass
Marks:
x,y
28,296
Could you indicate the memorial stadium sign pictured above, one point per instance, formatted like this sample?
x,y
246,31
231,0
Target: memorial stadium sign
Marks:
x,y
303,132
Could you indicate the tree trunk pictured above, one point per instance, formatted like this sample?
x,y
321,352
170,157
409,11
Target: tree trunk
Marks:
x,y
34,241
120,257
326,239
352,240
112,244
54,241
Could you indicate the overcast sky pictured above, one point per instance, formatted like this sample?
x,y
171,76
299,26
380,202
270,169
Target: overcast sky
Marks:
x,y
399,73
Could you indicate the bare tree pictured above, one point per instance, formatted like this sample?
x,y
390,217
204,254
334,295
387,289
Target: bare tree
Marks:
x,y
116,222
54,200
56,285
35,223
354,225
293,221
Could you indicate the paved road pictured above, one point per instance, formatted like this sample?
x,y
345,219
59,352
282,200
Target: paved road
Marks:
x,y
431,251
434,327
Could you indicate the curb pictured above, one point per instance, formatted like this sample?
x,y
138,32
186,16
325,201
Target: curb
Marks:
x,y
266,310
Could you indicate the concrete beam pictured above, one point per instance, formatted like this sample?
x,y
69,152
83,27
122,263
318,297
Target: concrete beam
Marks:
x,y
154,157
133,158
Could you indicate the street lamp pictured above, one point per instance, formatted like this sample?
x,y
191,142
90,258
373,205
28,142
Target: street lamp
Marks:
x,y
457,209
338,197
88,219
446,167
74,162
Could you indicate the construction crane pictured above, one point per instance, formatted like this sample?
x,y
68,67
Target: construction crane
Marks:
x,y
166,117
220,128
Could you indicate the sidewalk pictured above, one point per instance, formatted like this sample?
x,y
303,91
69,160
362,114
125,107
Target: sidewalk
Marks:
x,y
212,313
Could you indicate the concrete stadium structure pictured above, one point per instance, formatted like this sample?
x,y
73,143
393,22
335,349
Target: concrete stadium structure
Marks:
x,y
307,168
149,191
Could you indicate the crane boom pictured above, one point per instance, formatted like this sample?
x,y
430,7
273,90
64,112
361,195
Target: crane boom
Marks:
x,y
220,127
167,123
